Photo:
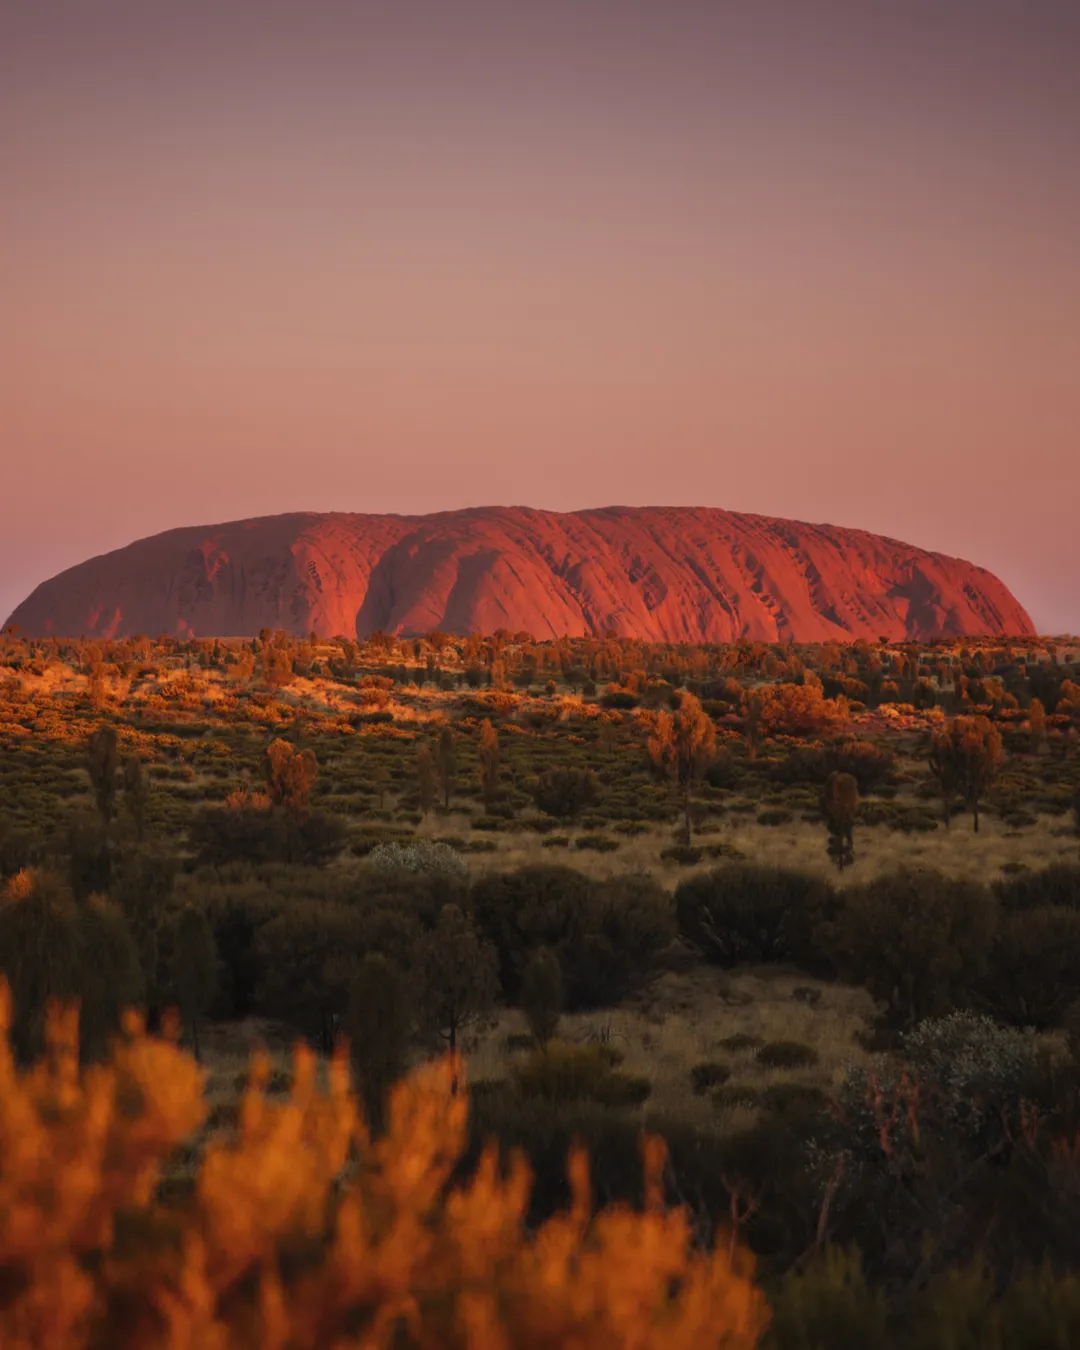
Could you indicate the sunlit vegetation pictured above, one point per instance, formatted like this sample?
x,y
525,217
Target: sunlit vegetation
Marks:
x,y
809,914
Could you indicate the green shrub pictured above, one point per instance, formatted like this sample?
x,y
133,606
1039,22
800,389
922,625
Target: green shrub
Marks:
x,y
775,815
684,855
787,1055
598,843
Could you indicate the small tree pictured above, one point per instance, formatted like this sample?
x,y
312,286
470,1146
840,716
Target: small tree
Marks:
x,y
378,1024
682,747
193,970
102,763
489,761
446,759
459,974
290,777
967,757
839,804
425,779
541,995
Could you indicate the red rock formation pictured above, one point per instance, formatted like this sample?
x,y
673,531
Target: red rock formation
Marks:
x,y
678,574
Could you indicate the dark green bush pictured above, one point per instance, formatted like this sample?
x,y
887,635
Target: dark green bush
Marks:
x,y
921,943
787,1055
1057,885
708,1074
747,913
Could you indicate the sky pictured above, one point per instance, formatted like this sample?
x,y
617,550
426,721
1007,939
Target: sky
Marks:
x,y
816,260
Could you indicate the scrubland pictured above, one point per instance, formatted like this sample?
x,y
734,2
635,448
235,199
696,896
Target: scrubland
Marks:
x,y
733,897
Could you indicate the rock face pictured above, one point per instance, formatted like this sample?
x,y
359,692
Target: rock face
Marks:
x,y
675,574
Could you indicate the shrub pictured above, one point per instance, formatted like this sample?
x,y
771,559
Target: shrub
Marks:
x,y
735,1094
567,1072
565,792
787,1055
775,815
683,855
739,1043
418,855
918,941
708,1074
598,843
800,1099
1058,884
828,1305
976,1067
1034,968
607,935
278,1198
746,913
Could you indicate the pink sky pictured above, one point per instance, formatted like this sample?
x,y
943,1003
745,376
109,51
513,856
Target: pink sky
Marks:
x,y
796,259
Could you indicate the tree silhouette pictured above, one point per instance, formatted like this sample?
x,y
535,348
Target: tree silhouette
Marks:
x,y
839,804
378,1024
966,757
425,779
136,793
541,995
489,761
102,763
193,970
459,974
682,747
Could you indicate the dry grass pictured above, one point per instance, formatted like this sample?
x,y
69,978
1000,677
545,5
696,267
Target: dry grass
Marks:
x,y
681,1021
956,852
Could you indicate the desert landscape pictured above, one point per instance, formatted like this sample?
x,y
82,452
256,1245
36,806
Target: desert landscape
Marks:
x,y
539,675
802,910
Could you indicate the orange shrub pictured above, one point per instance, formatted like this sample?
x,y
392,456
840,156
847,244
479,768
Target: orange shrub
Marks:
x,y
305,1233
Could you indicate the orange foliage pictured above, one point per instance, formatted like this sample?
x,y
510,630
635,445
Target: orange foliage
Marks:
x,y
304,1233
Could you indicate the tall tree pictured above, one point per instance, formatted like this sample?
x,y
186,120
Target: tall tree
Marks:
x,y
193,970
682,747
489,761
839,805
459,976
968,754
379,1023
102,764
